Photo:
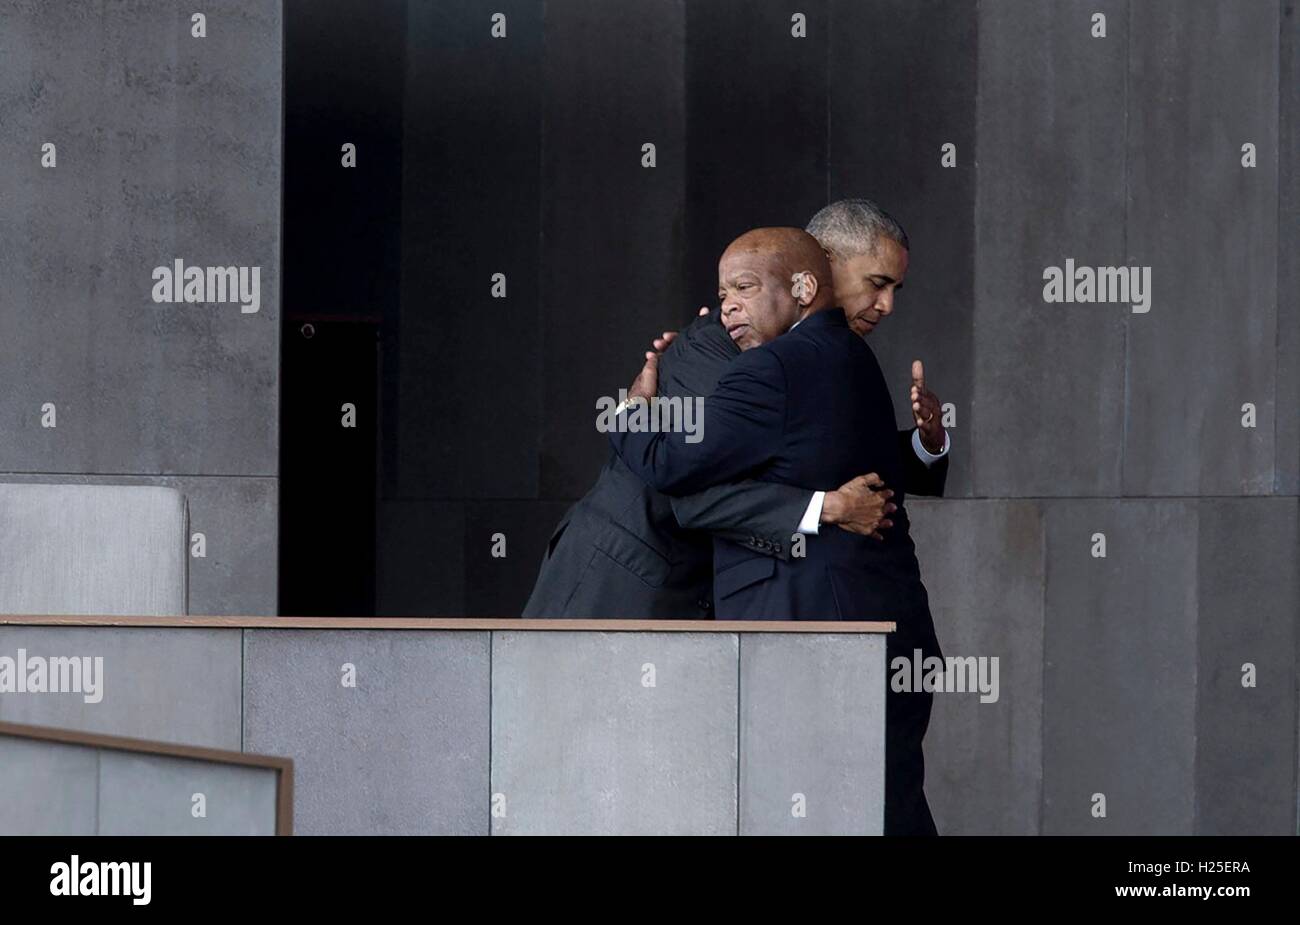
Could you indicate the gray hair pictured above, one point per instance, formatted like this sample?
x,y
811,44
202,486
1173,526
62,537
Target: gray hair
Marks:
x,y
852,227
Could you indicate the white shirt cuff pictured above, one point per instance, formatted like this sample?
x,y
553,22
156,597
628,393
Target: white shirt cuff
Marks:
x,y
812,518
925,455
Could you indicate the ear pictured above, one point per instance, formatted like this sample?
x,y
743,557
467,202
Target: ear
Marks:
x,y
803,287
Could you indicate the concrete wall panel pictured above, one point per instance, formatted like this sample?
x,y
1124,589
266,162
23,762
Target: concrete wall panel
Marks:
x,y
1249,607
168,685
168,148
582,743
1119,677
405,751
77,549
629,250
154,795
751,86
1286,421
470,194
420,563
890,115
1203,82
982,563
812,734
1049,397
47,789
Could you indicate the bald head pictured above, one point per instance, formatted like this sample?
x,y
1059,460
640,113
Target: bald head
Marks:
x,y
768,279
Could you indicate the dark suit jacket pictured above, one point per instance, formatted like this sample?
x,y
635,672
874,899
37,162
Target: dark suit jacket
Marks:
x,y
809,409
627,551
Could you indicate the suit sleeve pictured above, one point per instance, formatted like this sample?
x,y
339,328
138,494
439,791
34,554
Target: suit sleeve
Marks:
x,y
748,510
743,422
918,478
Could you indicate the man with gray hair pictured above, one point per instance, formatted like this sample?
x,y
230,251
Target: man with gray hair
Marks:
x,y
805,404
868,253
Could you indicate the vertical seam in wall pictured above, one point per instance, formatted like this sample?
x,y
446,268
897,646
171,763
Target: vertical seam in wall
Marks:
x,y
1275,482
539,395
1041,506
99,784
830,15
1128,317
739,763
385,478
1195,506
279,303
243,680
492,638
972,480
1277,400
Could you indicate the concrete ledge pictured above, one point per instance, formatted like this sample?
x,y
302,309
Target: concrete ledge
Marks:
x,y
418,727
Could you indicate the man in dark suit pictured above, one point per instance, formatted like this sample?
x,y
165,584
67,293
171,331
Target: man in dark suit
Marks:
x,y
628,551
807,408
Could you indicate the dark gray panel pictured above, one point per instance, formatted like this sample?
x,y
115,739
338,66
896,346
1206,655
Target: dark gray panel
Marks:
x,y
499,587
812,734
47,788
420,564
154,795
168,148
1048,400
1119,679
756,125
1249,602
239,519
470,194
169,685
405,752
1203,81
982,563
611,229
890,114
1287,421
581,746
344,68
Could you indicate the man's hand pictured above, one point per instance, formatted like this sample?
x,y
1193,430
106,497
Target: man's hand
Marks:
x,y
860,505
663,340
646,383
926,411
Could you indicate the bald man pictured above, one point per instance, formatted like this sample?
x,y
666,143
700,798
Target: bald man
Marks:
x,y
805,404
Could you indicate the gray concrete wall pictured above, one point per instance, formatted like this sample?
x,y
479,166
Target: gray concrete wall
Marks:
x,y
165,685
1173,700
82,549
403,752
486,732
168,147
1071,419
812,735
1109,684
609,733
